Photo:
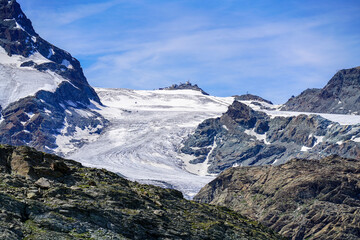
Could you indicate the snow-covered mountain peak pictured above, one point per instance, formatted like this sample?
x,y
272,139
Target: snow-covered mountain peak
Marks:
x,y
38,79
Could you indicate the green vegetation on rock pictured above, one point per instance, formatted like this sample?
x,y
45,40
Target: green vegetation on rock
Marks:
x,y
45,197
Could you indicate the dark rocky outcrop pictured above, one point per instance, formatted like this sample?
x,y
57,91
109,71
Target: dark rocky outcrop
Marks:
x,y
184,86
251,97
50,109
244,137
43,196
340,95
301,199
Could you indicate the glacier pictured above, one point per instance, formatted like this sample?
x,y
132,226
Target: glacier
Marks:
x,y
146,130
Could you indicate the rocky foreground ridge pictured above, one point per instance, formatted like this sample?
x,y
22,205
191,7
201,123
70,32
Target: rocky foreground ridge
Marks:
x,y
340,95
301,199
43,196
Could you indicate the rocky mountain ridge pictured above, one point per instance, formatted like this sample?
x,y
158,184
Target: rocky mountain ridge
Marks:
x,y
35,120
251,97
301,199
340,95
43,196
185,86
242,136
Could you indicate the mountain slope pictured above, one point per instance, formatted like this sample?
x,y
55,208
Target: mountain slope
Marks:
x,y
242,136
301,199
42,86
46,197
340,95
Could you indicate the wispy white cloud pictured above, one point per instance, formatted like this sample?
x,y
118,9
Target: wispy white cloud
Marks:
x,y
83,11
234,56
225,54
65,14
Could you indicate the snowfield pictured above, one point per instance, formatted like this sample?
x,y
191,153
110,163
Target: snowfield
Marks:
x,y
18,82
146,131
274,111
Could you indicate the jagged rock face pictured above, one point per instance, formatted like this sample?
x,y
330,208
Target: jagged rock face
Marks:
x,y
301,199
18,37
340,95
185,86
36,119
244,137
45,197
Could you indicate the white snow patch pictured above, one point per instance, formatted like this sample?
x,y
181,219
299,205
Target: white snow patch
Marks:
x,y
200,169
51,53
236,165
66,141
339,142
225,127
30,115
18,26
260,105
260,137
342,119
305,149
355,139
275,162
319,139
17,82
67,64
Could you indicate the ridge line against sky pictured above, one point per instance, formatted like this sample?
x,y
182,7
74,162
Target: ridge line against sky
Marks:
x,y
274,49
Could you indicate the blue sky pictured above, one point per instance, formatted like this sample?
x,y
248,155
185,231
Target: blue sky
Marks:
x,y
274,49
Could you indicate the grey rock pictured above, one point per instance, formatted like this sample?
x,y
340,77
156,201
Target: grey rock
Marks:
x,y
43,182
245,137
340,95
250,97
302,199
184,86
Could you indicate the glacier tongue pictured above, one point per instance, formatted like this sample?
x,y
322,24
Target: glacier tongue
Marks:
x,y
145,132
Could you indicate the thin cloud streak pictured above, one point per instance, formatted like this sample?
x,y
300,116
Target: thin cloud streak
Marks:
x,y
224,51
83,11
246,53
